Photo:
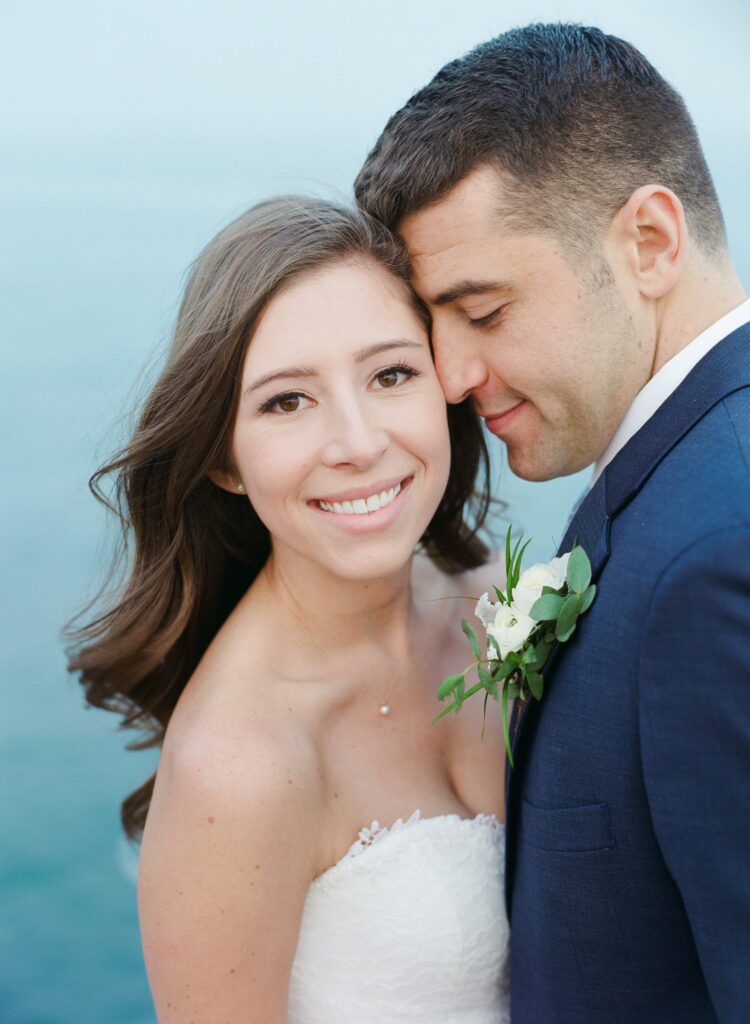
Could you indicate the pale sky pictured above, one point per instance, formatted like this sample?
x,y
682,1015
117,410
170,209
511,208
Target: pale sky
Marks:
x,y
230,78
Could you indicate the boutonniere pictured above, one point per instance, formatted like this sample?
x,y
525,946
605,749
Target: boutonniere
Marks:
x,y
538,607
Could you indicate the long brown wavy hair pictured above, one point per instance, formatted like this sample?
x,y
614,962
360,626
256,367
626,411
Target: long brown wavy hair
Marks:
x,y
190,549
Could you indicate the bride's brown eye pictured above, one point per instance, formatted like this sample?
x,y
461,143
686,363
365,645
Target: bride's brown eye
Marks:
x,y
388,377
288,403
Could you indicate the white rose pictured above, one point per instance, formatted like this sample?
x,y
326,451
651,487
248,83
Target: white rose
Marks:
x,y
511,629
532,582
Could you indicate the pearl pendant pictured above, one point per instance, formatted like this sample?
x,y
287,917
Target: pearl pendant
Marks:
x,y
385,709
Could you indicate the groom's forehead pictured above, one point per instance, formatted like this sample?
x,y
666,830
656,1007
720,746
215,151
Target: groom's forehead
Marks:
x,y
473,205
475,221
459,246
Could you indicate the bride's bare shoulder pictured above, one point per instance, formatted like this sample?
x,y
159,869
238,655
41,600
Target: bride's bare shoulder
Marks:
x,y
256,759
230,847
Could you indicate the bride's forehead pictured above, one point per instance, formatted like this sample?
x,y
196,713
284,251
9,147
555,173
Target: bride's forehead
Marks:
x,y
334,315
355,288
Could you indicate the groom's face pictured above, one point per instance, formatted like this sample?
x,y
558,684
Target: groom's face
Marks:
x,y
547,349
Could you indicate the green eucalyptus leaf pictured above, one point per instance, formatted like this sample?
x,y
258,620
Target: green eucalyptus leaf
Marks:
x,y
578,575
529,655
448,685
513,690
536,684
547,607
542,653
485,677
568,615
587,598
506,667
566,634
468,629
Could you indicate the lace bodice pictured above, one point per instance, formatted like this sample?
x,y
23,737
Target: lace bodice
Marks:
x,y
409,926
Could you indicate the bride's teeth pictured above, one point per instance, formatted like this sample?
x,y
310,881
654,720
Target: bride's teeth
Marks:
x,y
361,506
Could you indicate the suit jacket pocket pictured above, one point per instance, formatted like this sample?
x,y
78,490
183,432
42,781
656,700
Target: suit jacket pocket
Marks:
x,y
582,829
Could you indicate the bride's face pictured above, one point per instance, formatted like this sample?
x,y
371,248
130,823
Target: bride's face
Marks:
x,y
341,438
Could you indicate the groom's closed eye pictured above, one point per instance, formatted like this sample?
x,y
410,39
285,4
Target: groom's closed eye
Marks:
x,y
487,319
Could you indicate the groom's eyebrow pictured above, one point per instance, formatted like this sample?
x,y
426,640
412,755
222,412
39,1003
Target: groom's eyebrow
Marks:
x,y
464,288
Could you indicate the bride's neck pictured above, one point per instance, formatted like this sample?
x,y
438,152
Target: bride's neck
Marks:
x,y
328,613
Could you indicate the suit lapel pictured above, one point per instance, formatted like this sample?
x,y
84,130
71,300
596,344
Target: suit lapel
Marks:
x,y
724,370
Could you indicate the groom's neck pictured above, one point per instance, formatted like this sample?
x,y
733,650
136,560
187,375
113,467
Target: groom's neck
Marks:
x,y
707,291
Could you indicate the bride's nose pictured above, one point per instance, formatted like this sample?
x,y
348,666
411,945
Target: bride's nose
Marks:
x,y
354,437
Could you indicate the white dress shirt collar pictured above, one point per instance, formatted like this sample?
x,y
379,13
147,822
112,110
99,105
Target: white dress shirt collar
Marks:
x,y
667,379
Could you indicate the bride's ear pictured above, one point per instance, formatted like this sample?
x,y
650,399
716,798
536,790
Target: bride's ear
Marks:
x,y
228,480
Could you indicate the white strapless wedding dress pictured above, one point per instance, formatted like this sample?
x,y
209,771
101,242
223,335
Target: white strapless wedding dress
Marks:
x,y
409,926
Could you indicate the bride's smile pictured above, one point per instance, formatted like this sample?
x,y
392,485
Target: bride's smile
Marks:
x,y
363,509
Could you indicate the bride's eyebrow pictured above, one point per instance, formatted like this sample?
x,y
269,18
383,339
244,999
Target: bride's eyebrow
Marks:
x,y
383,346
305,371
291,371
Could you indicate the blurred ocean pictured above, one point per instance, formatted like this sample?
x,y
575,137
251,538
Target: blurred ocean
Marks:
x,y
120,159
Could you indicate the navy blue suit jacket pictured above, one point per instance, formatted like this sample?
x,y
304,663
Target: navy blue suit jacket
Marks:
x,y
628,853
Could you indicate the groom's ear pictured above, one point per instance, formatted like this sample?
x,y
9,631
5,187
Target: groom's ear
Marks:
x,y
650,236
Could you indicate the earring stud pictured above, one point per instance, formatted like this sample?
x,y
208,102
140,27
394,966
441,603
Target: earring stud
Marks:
x,y
240,486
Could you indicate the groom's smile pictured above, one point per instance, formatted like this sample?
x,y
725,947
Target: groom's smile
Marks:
x,y
496,423
543,344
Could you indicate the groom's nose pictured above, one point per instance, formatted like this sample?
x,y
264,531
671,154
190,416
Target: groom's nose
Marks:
x,y
460,367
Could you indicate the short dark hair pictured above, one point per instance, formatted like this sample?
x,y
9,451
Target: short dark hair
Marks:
x,y
575,120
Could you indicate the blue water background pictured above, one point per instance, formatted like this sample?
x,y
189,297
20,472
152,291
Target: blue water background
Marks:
x,y
130,134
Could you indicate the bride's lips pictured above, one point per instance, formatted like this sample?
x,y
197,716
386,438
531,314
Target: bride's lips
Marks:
x,y
497,423
360,523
